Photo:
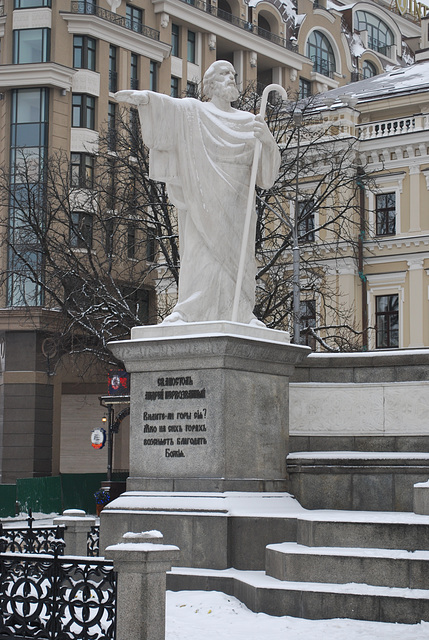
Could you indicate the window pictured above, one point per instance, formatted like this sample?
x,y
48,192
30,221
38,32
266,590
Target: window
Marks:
x,y
134,72
153,76
134,18
110,231
131,240
304,88
191,90
191,46
111,184
31,45
385,214
81,230
83,52
306,221
380,37
31,4
368,69
111,126
307,317
387,321
83,111
134,132
29,119
138,302
174,88
150,244
82,170
320,52
29,143
113,76
175,40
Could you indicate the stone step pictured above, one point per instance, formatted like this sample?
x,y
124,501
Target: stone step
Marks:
x,y
294,562
311,600
368,529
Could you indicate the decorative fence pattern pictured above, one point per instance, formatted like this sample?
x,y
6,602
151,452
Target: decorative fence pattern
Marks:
x,y
56,597
32,539
93,543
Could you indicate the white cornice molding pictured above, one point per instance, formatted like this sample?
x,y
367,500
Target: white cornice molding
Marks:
x,y
381,279
390,178
38,74
100,29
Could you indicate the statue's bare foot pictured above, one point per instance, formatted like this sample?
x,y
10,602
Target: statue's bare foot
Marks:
x,y
174,318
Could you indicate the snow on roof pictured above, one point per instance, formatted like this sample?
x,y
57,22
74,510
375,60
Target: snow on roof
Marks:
x,y
397,80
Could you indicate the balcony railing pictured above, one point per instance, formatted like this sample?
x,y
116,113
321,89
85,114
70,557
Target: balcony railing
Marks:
x,y
394,127
89,8
380,46
241,24
324,67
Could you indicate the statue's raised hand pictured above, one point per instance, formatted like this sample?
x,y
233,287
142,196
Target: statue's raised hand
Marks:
x,y
132,97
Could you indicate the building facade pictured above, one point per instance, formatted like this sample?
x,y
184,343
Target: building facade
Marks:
x,y
62,61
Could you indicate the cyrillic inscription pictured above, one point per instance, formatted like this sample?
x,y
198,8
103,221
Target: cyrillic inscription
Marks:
x,y
189,420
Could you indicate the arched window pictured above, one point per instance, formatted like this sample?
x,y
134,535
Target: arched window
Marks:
x,y
263,23
320,52
380,37
368,69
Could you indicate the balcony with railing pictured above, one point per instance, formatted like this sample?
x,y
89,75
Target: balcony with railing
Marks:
x,y
396,127
241,24
90,8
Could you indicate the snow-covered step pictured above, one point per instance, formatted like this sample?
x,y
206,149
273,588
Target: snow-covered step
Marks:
x,y
383,567
372,529
312,600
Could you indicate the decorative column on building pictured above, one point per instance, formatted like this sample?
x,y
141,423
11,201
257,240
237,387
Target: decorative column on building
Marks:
x,y
415,289
415,197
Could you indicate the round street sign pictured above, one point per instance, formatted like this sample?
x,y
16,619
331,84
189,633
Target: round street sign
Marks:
x,y
98,438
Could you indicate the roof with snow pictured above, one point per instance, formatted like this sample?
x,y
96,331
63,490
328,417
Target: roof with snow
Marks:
x,y
395,82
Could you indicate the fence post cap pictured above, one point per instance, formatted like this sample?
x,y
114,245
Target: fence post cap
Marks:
x,y
75,513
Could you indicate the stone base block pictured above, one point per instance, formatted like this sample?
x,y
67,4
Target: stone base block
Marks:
x,y
421,498
364,480
216,530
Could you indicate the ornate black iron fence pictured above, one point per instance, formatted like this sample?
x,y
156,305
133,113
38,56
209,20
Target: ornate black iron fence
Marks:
x,y
32,539
56,597
93,542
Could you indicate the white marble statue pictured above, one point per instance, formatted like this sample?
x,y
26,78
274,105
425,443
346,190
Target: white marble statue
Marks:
x,y
203,151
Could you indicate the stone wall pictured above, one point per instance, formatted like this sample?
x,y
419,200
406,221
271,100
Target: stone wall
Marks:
x,y
372,403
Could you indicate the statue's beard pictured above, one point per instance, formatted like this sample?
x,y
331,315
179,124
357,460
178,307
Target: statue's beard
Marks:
x,y
228,93
232,93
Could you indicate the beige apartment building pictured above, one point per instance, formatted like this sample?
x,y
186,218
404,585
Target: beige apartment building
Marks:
x,y
61,61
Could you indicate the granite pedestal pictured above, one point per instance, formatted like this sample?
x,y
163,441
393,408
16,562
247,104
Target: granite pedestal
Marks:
x,y
209,406
209,413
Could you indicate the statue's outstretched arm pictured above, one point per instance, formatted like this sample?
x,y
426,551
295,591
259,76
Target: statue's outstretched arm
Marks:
x,y
133,97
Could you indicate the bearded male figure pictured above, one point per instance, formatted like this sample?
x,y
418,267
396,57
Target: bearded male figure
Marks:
x,y
203,151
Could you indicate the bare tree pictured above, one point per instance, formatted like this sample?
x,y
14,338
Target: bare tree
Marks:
x,y
319,182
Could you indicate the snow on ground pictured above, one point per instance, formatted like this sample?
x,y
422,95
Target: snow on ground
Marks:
x,y
211,615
